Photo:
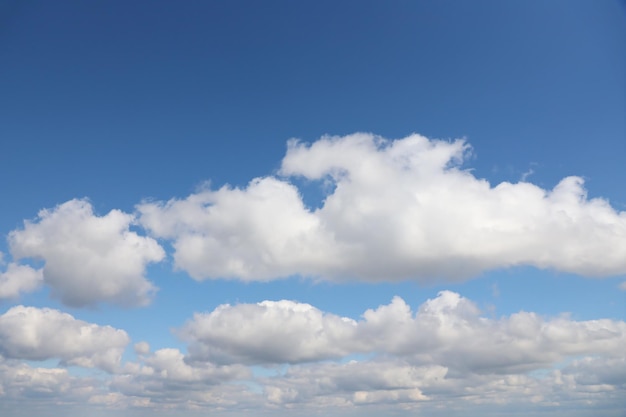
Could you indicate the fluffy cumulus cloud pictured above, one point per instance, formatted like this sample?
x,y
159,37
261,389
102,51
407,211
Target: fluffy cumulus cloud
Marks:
x,y
403,209
258,233
87,258
19,279
448,330
446,354
268,332
36,334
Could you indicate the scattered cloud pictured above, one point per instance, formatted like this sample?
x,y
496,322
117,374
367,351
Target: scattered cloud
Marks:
x,y
393,210
36,334
19,380
165,376
622,286
88,259
399,210
529,172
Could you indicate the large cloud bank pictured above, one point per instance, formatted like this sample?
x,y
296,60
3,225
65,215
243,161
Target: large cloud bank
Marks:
x,y
394,210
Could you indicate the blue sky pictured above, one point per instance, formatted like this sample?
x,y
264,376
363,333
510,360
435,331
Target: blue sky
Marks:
x,y
300,164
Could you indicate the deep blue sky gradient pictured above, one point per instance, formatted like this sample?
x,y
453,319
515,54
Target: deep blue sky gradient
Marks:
x,y
119,101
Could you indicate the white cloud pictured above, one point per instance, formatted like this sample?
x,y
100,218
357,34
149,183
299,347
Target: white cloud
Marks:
x,y
19,279
23,380
165,376
594,371
31,333
622,286
398,210
401,387
447,331
170,364
258,233
27,390
355,381
267,332
89,259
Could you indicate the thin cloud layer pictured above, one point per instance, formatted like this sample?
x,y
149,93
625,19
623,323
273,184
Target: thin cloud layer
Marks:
x,y
394,210
36,334
88,259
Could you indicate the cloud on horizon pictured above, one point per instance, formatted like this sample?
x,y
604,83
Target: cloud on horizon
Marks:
x,y
443,353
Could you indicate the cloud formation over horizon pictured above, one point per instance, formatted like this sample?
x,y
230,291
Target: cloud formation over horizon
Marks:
x,y
286,354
